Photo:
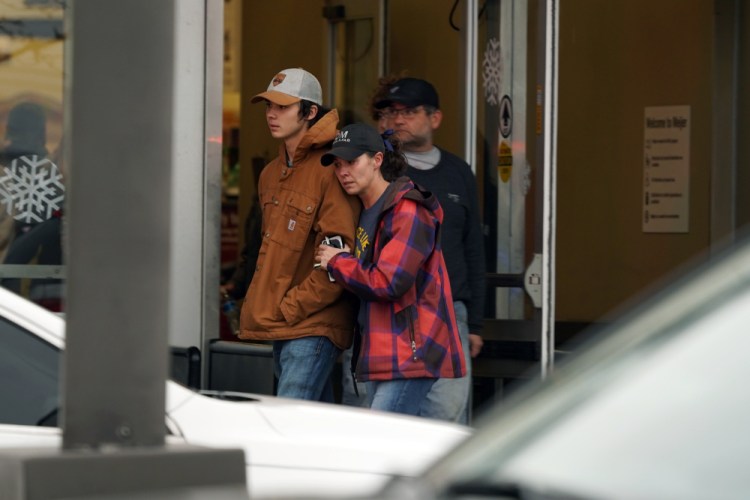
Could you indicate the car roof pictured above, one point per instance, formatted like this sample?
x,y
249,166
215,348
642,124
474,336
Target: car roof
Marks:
x,y
42,322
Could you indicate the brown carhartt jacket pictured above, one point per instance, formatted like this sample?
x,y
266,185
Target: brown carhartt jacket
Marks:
x,y
287,298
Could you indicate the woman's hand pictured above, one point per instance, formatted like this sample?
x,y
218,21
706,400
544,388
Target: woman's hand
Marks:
x,y
476,343
325,253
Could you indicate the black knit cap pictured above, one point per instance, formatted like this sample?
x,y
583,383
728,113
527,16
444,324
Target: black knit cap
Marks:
x,y
352,141
410,92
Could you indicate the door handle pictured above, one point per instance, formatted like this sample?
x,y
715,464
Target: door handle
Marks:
x,y
532,280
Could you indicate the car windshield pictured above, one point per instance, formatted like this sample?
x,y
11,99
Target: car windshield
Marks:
x,y
664,415
682,405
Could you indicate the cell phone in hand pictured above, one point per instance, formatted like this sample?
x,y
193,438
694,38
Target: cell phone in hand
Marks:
x,y
335,242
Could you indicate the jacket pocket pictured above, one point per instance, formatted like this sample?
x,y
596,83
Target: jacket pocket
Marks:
x,y
297,217
408,324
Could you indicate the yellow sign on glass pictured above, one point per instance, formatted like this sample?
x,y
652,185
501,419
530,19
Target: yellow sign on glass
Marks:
x,y
504,161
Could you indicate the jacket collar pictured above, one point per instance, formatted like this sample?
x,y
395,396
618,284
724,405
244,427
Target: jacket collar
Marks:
x,y
317,137
403,187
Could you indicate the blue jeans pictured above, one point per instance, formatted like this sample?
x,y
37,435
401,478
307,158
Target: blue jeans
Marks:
x,y
449,399
400,396
303,368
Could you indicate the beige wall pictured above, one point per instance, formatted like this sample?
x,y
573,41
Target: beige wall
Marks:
x,y
275,35
617,58
423,45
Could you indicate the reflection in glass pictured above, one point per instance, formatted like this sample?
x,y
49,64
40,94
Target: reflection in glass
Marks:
x,y
31,175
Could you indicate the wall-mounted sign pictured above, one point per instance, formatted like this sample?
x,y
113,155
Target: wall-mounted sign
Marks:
x,y
504,161
506,116
666,169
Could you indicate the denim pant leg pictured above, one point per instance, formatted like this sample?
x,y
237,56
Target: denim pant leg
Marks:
x,y
404,396
449,398
303,367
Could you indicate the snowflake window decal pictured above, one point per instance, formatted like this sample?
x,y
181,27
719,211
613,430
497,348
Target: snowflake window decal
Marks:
x,y
491,67
31,189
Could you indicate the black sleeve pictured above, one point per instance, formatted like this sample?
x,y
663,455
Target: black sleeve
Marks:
x,y
475,259
243,274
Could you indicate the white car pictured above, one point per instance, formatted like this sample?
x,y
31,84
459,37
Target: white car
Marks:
x,y
292,448
655,408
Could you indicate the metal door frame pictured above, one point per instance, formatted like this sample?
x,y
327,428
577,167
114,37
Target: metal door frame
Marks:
x,y
547,35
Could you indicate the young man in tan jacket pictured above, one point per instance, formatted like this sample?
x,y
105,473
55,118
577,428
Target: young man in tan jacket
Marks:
x,y
308,316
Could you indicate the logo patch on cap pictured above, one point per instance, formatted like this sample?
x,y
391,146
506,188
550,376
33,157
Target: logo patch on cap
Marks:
x,y
278,79
342,136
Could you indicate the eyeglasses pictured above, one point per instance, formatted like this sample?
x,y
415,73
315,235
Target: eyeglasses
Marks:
x,y
390,113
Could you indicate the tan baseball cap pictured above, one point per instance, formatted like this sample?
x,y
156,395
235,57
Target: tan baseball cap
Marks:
x,y
290,86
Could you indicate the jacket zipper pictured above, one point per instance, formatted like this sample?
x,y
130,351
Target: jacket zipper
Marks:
x,y
412,337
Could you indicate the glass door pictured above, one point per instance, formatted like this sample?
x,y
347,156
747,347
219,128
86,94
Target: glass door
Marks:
x,y
32,175
516,63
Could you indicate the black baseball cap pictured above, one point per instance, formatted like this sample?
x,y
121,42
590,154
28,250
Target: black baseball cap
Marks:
x,y
410,92
352,141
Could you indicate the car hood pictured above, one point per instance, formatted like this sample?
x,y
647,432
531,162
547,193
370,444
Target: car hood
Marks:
x,y
301,434
292,447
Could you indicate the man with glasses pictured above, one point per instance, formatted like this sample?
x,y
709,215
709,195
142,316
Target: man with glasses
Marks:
x,y
411,108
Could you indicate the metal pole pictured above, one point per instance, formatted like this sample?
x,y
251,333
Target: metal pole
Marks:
x,y
119,82
551,26
469,38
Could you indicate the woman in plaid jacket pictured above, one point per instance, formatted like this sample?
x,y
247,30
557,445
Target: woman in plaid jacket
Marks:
x,y
408,330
